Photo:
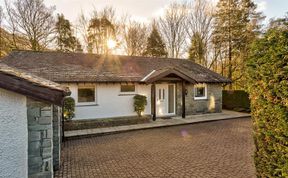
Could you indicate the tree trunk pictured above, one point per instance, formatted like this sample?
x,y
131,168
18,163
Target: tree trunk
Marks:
x,y
230,49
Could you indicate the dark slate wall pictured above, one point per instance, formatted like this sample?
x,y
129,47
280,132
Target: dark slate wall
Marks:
x,y
57,113
39,139
43,139
213,103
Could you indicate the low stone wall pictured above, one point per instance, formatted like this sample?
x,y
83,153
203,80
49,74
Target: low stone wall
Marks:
x,y
43,139
212,104
102,123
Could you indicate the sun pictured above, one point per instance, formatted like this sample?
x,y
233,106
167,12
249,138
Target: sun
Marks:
x,y
111,43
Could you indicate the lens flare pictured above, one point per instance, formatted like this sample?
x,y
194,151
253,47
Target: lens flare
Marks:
x,y
111,44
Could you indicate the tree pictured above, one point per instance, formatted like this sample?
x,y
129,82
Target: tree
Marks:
x,y
100,30
1,41
155,45
81,29
199,30
172,28
135,35
267,73
11,25
32,20
233,33
65,39
197,50
10,38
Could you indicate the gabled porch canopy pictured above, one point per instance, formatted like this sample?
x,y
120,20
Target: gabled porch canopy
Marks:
x,y
170,74
157,75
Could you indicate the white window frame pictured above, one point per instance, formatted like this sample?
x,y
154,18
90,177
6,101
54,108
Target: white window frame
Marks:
x,y
86,103
127,93
205,88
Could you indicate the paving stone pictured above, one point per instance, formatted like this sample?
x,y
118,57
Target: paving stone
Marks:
x,y
205,150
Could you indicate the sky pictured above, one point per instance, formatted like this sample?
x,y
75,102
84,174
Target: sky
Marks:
x,y
145,10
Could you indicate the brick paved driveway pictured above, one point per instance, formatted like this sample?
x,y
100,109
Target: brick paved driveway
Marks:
x,y
214,149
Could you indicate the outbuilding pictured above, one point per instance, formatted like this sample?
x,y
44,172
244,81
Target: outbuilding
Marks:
x,y
30,118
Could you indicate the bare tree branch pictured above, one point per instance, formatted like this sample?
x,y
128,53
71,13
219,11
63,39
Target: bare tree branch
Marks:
x,y
32,20
134,37
172,27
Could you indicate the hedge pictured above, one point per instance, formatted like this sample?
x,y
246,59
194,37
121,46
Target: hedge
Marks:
x,y
236,100
267,71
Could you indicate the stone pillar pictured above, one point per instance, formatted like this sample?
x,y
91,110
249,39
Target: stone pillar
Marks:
x,y
40,144
57,113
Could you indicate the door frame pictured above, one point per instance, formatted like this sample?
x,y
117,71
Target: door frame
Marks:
x,y
166,104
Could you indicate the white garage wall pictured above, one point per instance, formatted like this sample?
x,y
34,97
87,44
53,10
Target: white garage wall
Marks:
x,y
109,102
13,135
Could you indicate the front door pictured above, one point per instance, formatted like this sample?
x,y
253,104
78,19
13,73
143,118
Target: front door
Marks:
x,y
165,99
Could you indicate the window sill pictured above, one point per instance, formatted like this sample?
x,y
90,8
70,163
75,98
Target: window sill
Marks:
x,y
85,105
197,99
127,94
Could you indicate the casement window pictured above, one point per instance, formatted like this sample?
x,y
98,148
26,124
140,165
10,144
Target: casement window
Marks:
x,y
127,89
200,91
86,94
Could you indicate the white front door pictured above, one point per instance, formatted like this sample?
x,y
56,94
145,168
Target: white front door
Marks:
x,y
165,99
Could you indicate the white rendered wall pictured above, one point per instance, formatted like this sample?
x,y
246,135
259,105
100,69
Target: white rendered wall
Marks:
x,y
13,135
109,102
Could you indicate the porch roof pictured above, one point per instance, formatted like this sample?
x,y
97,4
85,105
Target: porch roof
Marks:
x,y
156,75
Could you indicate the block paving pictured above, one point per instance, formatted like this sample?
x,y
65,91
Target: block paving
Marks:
x,y
211,149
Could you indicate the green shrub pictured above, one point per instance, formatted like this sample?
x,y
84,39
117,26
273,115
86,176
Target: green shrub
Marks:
x,y
69,108
267,71
236,100
140,102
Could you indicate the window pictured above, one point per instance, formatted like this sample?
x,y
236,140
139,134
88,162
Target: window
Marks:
x,y
161,94
127,89
86,94
200,91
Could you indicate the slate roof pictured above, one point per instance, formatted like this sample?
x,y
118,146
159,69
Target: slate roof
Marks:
x,y
30,85
80,67
31,78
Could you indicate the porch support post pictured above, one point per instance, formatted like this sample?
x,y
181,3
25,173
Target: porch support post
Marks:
x,y
183,99
153,101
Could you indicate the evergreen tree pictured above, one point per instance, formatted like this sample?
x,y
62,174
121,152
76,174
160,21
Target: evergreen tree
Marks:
x,y
100,30
235,26
65,39
197,50
155,45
